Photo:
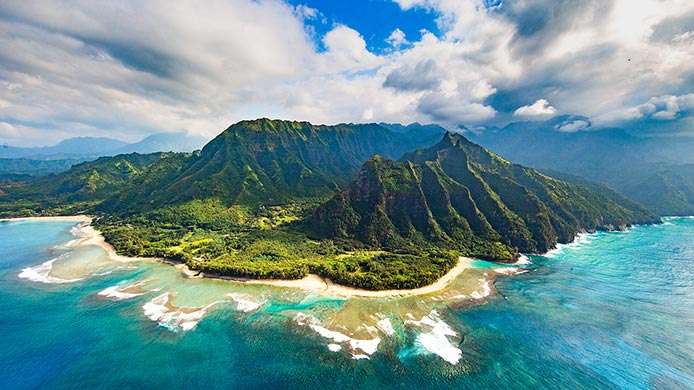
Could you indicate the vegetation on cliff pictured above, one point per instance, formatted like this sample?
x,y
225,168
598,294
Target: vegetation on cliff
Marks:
x,y
459,195
281,199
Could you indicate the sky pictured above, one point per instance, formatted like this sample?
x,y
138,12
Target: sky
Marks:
x,y
126,69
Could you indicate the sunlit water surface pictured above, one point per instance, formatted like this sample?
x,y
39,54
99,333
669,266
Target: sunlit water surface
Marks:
x,y
613,310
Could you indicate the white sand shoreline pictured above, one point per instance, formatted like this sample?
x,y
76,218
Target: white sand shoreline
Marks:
x,y
324,286
87,235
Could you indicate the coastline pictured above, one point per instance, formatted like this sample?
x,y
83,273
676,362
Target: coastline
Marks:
x,y
88,235
66,218
84,235
324,286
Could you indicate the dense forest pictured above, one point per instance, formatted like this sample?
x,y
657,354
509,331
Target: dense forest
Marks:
x,y
375,206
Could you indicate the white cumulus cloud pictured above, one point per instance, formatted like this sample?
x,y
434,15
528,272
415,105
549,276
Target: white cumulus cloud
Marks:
x,y
130,68
540,108
397,38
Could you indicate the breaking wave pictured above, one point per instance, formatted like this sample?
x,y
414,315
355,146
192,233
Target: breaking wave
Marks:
x,y
161,311
439,337
359,348
42,273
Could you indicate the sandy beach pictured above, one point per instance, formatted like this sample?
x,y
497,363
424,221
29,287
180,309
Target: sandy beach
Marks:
x,y
319,285
87,235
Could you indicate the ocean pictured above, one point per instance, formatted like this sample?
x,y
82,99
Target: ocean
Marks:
x,y
612,310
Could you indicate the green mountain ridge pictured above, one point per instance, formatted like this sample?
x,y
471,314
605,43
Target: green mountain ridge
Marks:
x,y
654,171
77,190
459,195
281,199
274,161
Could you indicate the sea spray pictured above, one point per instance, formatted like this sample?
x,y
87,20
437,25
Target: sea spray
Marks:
x,y
484,291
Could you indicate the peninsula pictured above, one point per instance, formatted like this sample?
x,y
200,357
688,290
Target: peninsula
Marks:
x,y
372,206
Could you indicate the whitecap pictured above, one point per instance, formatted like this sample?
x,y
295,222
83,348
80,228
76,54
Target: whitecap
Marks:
x,y
120,292
484,292
580,240
244,302
554,252
437,339
161,311
42,273
522,260
507,270
367,347
385,326
334,347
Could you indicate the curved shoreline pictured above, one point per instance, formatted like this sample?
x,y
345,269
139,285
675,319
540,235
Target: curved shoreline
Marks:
x,y
88,235
324,286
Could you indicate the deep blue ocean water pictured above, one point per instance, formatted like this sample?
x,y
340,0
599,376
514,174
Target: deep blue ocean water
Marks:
x,y
615,310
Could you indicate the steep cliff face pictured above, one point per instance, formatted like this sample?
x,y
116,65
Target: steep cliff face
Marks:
x,y
458,194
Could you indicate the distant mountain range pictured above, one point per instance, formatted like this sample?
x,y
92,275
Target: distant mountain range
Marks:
x,y
89,148
655,171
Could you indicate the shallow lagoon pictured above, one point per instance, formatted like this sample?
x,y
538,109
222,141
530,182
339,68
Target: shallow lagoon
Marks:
x,y
612,310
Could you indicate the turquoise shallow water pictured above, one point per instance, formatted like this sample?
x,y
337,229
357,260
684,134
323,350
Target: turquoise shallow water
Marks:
x,y
615,310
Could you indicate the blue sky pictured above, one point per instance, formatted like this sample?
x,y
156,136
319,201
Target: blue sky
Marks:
x,y
374,19
127,69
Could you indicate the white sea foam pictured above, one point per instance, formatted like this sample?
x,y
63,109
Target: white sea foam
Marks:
x,y
508,270
437,338
334,347
119,293
385,326
42,273
522,260
579,240
159,310
555,251
245,302
366,347
485,290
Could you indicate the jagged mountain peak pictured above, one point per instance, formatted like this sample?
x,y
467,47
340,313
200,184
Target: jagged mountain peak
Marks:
x,y
460,195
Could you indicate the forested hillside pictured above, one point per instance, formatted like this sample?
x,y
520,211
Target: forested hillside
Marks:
x,y
280,199
655,171
459,195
